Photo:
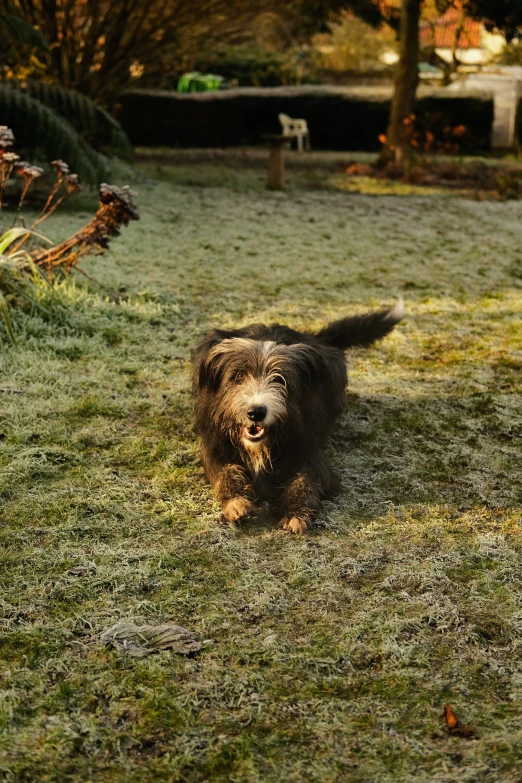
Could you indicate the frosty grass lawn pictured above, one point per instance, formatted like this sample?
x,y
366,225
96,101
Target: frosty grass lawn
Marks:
x,y
325,658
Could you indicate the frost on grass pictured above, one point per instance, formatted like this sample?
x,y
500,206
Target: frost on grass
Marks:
x,y
332,656
141,640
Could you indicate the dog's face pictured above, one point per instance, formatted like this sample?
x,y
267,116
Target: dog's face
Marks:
x,y
258,390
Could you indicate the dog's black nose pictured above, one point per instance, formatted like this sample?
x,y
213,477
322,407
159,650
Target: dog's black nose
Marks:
x,y
257,413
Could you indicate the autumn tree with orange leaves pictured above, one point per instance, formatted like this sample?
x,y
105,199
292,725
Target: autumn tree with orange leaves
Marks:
x,y
502,15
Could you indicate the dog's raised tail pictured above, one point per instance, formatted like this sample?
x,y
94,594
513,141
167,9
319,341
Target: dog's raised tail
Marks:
x,y
362,330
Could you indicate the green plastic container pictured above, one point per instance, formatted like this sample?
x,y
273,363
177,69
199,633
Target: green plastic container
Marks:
x,y
199,82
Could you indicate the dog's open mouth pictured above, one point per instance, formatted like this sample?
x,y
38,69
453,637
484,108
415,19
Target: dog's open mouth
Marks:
x,y
254,432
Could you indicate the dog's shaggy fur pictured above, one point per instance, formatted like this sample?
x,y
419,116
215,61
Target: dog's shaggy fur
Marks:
x,y
266,400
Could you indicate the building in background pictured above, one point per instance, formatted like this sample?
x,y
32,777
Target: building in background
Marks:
x,y
455,36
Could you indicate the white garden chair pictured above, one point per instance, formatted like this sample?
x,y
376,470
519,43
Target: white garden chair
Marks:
x,y
296,129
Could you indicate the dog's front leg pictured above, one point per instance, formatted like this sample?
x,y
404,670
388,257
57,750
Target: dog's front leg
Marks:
x,y
299,502
234,491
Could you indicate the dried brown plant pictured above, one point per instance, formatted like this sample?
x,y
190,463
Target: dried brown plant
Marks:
x,y
115,209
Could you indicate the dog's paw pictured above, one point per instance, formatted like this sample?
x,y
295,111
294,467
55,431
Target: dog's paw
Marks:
x,y
235,510
295,525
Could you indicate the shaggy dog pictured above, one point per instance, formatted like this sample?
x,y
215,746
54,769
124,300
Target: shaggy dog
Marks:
x,y
266,400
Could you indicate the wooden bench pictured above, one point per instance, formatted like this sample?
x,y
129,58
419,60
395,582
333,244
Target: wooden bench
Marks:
x,y
296,129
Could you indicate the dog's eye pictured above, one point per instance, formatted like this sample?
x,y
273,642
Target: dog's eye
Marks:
x,y
240,376
279,379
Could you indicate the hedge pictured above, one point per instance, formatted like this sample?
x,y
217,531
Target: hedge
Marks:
x,y
339,118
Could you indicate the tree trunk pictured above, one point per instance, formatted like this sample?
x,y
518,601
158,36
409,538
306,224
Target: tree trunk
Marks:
x,y
453,66
398,147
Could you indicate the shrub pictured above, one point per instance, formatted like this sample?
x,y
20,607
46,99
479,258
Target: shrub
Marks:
x,y
17,33
53,122
253,67
338,118
96,126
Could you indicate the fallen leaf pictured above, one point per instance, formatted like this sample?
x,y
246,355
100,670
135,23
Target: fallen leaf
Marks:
x,y
455,727
360,170
141,640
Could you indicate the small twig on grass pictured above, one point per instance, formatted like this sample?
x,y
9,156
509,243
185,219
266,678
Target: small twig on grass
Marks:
x,y
89,277
111,291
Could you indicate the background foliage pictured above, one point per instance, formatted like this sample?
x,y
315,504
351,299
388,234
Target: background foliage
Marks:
x,y
102,47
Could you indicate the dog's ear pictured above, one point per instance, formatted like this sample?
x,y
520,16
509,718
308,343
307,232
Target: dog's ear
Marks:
x,y
203,371
206,369
314,364
308,361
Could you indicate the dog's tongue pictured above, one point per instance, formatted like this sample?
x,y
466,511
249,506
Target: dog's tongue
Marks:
x,y
254,429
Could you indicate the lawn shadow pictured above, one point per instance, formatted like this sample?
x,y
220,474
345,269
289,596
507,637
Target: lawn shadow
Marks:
x,y
392,451
456,449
